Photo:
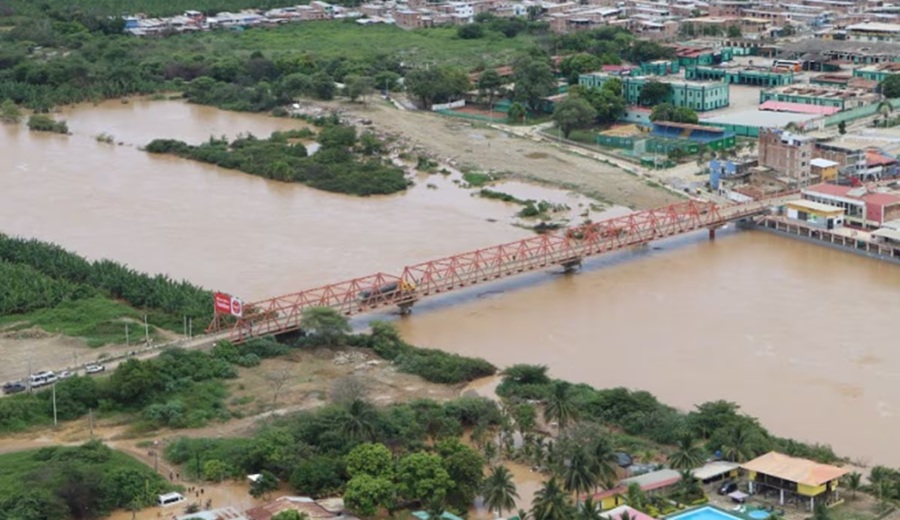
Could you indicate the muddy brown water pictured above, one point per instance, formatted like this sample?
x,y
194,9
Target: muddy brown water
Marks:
x,y
801,336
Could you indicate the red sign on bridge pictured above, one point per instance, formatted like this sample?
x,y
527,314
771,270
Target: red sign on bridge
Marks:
x,y
228,304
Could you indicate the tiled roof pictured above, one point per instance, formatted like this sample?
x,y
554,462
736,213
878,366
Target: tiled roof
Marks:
x,y
801,471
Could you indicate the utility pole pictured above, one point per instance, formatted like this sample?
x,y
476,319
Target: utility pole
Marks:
x,y
185,325
127,342
190,328
91,421
55,423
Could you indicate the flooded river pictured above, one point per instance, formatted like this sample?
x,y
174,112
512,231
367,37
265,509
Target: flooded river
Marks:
x,y
799,335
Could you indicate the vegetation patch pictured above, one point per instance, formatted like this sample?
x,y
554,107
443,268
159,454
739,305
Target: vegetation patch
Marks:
x,y
477,179
344,163
87,481
41,123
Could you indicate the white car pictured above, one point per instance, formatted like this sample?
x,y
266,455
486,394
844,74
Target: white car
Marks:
x,y
65,374
94,369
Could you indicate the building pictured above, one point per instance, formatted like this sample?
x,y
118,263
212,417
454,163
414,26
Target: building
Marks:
x,y
697,96
824,170
222,513
716,470
863,207
749,123
815,214
300,504
787,153
804,479
842,98
739,76
873,32
650,483
878,72
627,511
798,108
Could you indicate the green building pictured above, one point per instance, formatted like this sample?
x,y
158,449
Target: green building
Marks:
x,y
877,72
659,68
758,78
843,98
698,96
689,55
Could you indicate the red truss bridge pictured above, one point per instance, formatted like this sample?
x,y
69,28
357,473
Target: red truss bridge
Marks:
x,y
567,248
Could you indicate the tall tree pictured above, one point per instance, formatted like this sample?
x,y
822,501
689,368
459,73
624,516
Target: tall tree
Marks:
x,y
358,421
560,406
687,455
591,511
579,476
890,86
533,80
635,497
499,490
573,112
421,477
325,322
654,93
488,83
853,482
603,459
551,503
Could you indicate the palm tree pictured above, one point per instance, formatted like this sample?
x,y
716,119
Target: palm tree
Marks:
x,y
590,511
522,514
578,476
551,503
635,497
560,406
737,446
359,421
500,490
603,460
689,487
854,482
687,455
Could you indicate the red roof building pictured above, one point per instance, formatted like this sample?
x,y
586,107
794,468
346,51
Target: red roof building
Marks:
x,y
300,504
862,206
798,108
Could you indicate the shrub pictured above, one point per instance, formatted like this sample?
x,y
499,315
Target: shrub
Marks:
x,y
41,123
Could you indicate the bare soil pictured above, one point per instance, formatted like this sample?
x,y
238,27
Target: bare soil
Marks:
x,y
472,144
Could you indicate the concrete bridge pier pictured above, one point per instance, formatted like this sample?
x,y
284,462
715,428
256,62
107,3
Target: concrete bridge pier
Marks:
x,y
405,308
712,233
571,265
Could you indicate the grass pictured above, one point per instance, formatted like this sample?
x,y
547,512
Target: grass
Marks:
x,y
477,179
97,320
336,39
588,137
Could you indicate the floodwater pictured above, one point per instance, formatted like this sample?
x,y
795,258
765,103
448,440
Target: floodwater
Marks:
x,y
801,336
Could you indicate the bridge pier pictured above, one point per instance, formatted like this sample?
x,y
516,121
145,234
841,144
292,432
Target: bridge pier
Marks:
x,y
405,308
712,233
570,266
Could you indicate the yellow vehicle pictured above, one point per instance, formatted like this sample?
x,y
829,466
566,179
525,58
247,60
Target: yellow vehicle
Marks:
x,y
387,292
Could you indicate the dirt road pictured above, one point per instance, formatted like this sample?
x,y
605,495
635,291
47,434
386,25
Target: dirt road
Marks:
x,y
487,149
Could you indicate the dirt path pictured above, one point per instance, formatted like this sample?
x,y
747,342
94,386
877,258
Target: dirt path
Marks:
x,y
486,148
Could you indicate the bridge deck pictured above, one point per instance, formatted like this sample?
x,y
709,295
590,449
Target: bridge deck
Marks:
x,y
567,248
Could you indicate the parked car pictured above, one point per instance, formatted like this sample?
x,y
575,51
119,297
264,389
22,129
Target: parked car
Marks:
x,y
728,487
94,369
65,374
14,387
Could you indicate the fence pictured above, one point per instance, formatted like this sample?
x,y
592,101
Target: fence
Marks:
x,y
448,106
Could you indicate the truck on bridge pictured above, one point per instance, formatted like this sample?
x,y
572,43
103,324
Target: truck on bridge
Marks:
x,y
396,292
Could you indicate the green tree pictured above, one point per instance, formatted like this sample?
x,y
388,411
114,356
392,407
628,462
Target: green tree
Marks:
x,y
357,423
734,31
578,475
488,83
215,470
560,407
654,93
551,503
890,86
358,87
499,490
573,112
264,485
421,477
325,322
607,101
574,65
604,461
318,476
742,440
9,112
687,455
437,84
322,85
465,466
534,80
591,511
290,514
516,113
709,417
853,481
842,128
365,494
471,31
525,416
371,459
635,497
821,511
885,108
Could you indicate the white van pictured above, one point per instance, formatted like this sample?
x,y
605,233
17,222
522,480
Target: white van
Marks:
x,y
170,499
42,378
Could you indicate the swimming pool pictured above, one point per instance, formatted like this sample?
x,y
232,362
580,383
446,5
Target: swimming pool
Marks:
x,y
759,514
705,513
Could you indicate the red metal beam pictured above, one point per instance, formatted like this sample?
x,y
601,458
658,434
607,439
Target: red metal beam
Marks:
x,y
567,248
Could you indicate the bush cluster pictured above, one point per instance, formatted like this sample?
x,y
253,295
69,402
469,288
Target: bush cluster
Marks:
x,y
335,167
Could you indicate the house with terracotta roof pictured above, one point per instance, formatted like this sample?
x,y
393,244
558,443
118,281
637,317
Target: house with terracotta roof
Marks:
x,y
862,206
632,513
300,504
794,479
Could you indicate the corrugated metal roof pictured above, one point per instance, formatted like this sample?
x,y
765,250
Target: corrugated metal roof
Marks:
x,y
798,108
714,469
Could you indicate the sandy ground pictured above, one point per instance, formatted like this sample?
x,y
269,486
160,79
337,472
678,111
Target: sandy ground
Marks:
x,y
488,149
